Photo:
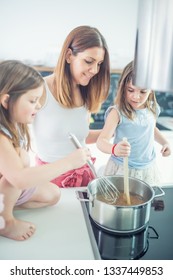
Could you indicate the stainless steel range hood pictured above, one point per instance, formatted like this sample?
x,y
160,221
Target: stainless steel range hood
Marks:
x,y
154,45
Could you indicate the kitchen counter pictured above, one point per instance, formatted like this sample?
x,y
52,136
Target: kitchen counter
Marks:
x,y
61,230
61,233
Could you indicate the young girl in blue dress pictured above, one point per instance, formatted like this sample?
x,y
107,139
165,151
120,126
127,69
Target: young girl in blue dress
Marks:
x,y
133,116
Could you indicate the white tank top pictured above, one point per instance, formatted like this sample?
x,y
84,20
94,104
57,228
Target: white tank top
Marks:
x,y
52,125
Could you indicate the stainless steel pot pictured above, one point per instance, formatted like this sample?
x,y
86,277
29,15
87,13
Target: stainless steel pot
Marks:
x,y
122,219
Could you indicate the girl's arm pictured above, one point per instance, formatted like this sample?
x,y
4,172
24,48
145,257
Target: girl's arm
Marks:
x,y
12,168
159,138
103,143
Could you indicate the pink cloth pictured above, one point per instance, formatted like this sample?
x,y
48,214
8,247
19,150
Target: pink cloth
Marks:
x,y
25,196
74,178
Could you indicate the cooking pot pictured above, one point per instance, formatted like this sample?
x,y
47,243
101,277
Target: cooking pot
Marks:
x,y
122,219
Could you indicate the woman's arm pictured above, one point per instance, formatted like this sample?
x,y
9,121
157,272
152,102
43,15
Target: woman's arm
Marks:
x,y
13,170
159,138
93,133
93,136
103,142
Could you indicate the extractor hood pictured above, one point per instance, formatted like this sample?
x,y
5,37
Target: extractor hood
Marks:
x,y
154,45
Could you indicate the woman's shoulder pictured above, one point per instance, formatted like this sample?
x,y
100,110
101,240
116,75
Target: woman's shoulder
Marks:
x,y
48,86
49,81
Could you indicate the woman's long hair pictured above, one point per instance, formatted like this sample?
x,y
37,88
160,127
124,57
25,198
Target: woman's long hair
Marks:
x,y
96,92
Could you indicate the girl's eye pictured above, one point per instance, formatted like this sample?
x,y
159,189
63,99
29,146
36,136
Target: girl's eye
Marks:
x,y
33,101
130,90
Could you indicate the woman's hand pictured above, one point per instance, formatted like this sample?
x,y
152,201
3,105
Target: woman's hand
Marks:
x,y
79,157
122,149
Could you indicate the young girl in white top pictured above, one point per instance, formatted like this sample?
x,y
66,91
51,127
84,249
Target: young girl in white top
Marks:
x,y
21,185
133,116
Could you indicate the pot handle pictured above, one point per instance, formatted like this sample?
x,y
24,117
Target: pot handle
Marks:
x,y
154,231
80,196
160,189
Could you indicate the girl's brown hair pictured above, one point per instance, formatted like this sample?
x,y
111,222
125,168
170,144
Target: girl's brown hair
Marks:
x,y
16,79
96,92
120,99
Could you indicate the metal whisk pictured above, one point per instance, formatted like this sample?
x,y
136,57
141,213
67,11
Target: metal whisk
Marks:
x,y
108,190
105,187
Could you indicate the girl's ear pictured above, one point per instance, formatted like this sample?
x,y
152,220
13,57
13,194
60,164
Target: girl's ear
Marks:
x,y
4,100
68,55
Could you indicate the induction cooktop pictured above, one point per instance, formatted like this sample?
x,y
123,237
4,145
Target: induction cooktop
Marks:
x,y
154,242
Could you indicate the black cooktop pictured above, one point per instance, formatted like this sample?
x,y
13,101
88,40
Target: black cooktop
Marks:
x,y
154,242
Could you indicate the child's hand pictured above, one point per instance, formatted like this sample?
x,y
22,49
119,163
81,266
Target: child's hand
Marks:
x,y
122,149
79,157
166,150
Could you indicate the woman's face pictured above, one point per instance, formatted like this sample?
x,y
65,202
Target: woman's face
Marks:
x,y
85,65
136,97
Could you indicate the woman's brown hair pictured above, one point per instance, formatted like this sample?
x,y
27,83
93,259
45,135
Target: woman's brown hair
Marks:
x,y
96,92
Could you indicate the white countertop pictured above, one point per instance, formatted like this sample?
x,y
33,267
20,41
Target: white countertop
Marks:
x,y
61,230
61,233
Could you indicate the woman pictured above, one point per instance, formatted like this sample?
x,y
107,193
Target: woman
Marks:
x,y
77,88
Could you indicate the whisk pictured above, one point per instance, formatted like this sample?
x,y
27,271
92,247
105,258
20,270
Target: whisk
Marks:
x,y
106,188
